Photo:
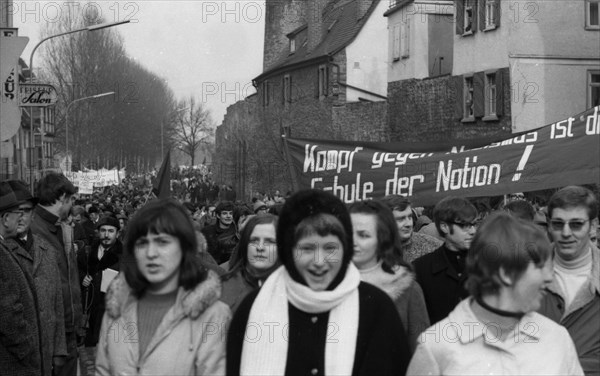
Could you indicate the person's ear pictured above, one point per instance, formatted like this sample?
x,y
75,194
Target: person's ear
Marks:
x,y
445,228
506,279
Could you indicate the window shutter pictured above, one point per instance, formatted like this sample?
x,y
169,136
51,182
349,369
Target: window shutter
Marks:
x,y
460,16
405,39
291,89
475,11
283,89
326,85
318,82
481,10
459,99
500,91
479,94
497,13
396,42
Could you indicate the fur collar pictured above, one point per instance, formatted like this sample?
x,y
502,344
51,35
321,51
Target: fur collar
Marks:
x,y
393,284
190,303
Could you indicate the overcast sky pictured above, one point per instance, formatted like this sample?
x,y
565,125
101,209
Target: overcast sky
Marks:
x,y
208,49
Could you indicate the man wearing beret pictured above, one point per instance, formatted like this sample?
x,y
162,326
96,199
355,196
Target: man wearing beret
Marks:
x,y
20,347
101,262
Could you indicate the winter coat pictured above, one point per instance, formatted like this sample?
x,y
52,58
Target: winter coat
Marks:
x,y
93,296
443,288
221,241
46,226
49,299
582,318
235,290
461,345
407,296
381,345
20,352
419,245
190,339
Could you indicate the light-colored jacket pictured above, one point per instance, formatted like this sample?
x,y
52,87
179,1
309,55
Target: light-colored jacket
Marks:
x,y
190,340
462,345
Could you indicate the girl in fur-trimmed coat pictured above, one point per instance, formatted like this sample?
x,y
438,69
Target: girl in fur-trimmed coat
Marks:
x,y
162,314
379,260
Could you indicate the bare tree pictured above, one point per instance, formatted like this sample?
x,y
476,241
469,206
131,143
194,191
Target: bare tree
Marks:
x,y
121,130
192,127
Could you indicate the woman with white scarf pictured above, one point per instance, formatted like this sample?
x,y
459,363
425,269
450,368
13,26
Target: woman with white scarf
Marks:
x,y
313,315
379,259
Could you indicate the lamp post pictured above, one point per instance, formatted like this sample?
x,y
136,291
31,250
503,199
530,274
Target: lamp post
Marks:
x,y
32,137
67,121
162,149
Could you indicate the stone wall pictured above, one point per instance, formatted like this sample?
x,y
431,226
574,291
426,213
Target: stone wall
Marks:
x,y
426,110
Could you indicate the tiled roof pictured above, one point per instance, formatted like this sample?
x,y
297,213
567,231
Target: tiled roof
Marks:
x,y
340,27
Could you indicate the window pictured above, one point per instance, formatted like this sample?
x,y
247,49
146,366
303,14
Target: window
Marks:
x,y
592,18
491,14
292,45
323,81
287,89
396,43
491,95
593,89
466,17
468,103
405,40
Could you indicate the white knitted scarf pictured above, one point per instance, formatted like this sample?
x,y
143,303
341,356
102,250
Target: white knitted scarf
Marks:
x,y
265,345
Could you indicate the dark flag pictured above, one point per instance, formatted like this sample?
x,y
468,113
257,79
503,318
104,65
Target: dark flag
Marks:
x,y
162,185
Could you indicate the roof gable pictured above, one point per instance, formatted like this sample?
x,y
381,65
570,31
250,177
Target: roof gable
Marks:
x,y
340,26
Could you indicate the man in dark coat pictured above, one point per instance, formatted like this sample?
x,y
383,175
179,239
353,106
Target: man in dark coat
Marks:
x,y
55,194
105,253
222,237
37,256
441,273
20,345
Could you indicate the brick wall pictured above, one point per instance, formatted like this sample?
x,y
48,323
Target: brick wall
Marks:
x,y
249,147
281,18
425,110
362,121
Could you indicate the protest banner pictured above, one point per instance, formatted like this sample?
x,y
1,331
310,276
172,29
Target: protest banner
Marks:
x,y
564,153
88,180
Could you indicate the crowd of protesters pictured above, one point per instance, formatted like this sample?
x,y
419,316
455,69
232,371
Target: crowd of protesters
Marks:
x,y
205,283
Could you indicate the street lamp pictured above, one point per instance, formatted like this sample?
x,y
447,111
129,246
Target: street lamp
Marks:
x,y
67,121
32,138
162,149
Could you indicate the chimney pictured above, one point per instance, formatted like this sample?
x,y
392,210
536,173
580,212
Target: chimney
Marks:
x,y
314,18
362,7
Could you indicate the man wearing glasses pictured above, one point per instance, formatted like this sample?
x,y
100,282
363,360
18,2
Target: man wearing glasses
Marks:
x,y
573,298
20,350
442,273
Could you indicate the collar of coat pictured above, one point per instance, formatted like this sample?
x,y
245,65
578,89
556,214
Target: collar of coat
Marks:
x,y
589,292
393,284
48,217
190,303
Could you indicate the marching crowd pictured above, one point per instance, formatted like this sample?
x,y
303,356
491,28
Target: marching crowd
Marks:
x,y
205,284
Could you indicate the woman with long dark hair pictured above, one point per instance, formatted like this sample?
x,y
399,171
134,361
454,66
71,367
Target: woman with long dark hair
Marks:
x,y
254,259
378,257
162,312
